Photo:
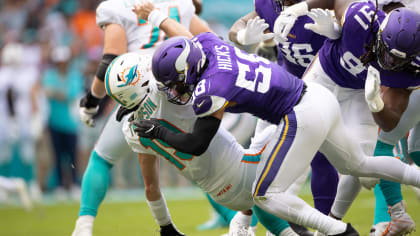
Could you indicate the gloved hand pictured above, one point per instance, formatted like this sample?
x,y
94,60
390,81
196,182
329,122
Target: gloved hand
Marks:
x,y
122,111
286,20
88,107
254,32
267,50
149,128
324,24
373,90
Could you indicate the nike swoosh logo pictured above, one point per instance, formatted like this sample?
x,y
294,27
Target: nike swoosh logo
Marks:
x,y
200,104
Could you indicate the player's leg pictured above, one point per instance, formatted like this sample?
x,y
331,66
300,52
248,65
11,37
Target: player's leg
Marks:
x,y
272,223
381,217
286,159
324,183
111,146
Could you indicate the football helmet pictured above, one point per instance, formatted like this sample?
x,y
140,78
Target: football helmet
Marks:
x,y
398,39
176,65
127,79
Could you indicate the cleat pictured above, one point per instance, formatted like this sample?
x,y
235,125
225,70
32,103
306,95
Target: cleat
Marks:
x,y
84,226
401,222
22,190
350,231
237,228
170,230
301,230
378,229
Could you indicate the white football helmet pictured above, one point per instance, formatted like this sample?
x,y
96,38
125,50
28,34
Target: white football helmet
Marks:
x,y
127,79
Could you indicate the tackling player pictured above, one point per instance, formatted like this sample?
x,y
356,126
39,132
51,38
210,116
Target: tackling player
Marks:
x,y
295,55
221,78
225,171
124,32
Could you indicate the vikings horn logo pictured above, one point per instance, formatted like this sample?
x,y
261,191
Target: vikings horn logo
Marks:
x,y
131,78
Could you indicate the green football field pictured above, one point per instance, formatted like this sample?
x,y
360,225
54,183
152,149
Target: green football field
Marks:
x,y
134,218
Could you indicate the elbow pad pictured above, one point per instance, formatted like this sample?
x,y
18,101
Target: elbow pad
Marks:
x,y
103,65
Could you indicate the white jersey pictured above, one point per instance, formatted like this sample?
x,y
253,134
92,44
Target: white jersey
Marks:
x,y
142,36
226,171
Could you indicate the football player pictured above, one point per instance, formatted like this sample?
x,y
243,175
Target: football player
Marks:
x,y
124,32
219,77
225,170
295,55
368,52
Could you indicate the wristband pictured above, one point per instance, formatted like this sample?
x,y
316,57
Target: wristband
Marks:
x,y
91,100
156,17
240,36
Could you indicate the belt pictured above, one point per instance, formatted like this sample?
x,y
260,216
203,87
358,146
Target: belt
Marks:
x,y
302,93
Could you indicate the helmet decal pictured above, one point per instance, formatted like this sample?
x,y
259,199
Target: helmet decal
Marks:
x,y
131,78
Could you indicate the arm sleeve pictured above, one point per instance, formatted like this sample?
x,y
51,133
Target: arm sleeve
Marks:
x,y
197,142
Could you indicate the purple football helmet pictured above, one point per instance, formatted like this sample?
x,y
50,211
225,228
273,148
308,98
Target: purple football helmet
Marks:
x,y
398,39
176,65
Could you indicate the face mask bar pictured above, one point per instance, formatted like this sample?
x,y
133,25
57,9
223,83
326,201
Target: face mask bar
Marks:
x,y
389,61
177,92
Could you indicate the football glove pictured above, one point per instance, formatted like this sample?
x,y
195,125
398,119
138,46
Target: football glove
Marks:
x,y
88,107
373,90
325,23
149,128
254,32
267,50
286,20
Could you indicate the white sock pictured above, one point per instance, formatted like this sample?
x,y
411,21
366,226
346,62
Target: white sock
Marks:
x,y
160,211
242,218
85,221
347,190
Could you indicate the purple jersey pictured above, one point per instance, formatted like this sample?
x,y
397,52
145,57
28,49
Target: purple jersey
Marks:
x,y
302,45
340,58
248,82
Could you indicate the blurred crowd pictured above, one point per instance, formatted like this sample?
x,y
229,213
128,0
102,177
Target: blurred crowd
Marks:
x,y
49,52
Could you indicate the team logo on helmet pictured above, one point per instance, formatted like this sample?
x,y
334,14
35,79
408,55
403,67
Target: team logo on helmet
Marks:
x,y
131,77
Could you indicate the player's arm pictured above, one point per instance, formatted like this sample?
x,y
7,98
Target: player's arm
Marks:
x,y
284,23
149,165
198,26
195,143
239,25
147,11
395,103
115,43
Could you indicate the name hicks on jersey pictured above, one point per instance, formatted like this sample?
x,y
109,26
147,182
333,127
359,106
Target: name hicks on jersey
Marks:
x,y
146,109
223,57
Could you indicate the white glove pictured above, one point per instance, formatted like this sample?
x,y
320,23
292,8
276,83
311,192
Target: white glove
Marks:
x,y
373,90
86,115
254,32
286,20
325,23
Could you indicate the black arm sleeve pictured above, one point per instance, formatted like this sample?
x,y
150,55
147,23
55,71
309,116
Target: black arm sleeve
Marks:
x,y
197,142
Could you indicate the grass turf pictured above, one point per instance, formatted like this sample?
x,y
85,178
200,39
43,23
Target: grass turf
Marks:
x,y
134,218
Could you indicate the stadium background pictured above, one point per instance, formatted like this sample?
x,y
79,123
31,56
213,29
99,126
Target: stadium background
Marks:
x,y
35,37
